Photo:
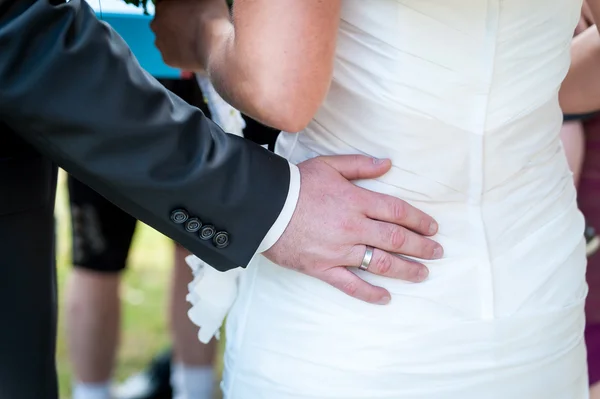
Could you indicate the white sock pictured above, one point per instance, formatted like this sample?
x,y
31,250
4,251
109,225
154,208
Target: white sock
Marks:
x,y
91,391
192,382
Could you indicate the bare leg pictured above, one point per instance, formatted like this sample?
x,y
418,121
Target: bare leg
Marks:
x,y
93,319
193,361
187,349
102,236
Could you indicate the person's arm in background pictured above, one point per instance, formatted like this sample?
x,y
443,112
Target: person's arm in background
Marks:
x,y
580,91
273,62
70,86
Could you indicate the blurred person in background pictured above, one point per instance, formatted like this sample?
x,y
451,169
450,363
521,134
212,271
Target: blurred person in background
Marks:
x,y
580,97
589,203
573,139
102,235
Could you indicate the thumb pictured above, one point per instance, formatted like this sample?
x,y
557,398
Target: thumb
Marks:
x,y
355,167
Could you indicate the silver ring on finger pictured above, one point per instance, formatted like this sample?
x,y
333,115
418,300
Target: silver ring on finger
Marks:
x,y
366,261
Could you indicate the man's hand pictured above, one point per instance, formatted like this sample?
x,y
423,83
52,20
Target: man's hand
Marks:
x,y
186,29
335,220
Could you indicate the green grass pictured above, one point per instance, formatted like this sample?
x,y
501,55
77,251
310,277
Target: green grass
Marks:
x,y
144,289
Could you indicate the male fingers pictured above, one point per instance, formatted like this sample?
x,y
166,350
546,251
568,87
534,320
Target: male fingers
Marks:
x,y
350,284
385,264
398,240
393,210
356,167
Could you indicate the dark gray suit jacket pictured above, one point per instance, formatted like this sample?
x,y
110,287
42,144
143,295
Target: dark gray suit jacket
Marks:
x,y
70,87
72,94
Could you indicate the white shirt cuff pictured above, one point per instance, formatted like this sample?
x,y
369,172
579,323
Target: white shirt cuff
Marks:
x,y
286,212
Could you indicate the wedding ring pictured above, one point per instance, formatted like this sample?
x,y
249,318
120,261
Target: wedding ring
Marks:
x,y
364,265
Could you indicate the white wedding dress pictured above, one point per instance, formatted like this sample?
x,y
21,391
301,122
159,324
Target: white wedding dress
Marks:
x,y
461,95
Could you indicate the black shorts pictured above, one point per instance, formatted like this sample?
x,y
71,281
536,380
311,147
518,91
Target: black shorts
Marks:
x,y
102,232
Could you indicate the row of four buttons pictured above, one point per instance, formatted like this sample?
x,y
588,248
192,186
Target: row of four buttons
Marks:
x,y
206,232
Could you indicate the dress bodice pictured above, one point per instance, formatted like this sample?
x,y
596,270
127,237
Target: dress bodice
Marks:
x,y
462,96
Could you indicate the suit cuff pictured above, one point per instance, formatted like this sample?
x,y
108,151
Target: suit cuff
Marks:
x,y
286,214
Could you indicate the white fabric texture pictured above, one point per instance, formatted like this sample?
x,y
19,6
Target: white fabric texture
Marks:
x,y
212,293
461,95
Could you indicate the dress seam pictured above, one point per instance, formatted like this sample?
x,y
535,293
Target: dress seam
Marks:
x,y
487,296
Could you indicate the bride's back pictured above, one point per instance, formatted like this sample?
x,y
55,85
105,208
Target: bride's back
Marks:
x,y
462,96
471,84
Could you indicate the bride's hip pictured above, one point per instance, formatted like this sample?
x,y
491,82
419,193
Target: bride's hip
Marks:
x,y
286,321
513,251
535,266
523,284
468,199
541,276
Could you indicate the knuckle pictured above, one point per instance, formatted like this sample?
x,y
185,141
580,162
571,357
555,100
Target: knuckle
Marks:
x,y
399,209
383,264
397,237
350,288
346,225
355,160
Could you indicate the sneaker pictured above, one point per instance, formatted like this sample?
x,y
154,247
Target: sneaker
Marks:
x,y
152,383
592,241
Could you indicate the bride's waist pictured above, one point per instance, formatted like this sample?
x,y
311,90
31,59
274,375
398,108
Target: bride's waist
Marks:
x,y
449,166
456,179
525,230
545,274
472,200
527,283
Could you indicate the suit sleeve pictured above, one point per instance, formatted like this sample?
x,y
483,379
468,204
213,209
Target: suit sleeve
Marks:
x,y
71,87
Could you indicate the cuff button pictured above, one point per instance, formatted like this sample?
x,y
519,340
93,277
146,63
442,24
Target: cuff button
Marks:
x,y
221,239
193,225
207,232
179,216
